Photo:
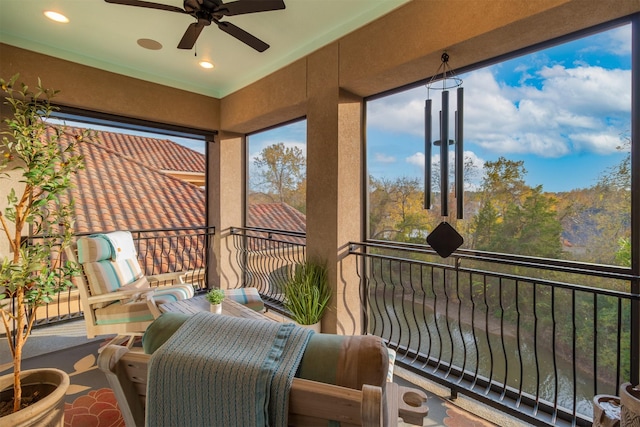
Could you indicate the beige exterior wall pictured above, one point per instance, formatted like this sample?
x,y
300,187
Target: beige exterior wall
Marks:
x,y
327,87
226,200
105,92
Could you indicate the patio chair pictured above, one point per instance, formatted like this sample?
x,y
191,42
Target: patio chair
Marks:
x,y
343,378
116,296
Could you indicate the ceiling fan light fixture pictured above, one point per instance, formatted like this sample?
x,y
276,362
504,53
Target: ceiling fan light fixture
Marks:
x,y
206,64
56,16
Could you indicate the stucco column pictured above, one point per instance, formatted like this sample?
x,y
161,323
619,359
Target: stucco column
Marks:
x,y
226,206
334,186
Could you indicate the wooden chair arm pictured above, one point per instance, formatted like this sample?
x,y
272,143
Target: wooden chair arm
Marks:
x,y
173,277
118,295
406,402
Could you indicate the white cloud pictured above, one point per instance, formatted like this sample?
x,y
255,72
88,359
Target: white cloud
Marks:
x,y
416,159
599,143
570,110
384,158
400,113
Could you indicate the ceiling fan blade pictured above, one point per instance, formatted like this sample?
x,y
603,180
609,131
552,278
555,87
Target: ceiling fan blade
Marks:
x,y
243,36
148,5
250,6
191,35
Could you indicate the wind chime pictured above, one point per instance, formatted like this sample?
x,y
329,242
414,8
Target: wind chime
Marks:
x,y
444,239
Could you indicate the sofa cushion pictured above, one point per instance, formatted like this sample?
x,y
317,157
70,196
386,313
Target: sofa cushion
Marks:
x,y
161,329
344,360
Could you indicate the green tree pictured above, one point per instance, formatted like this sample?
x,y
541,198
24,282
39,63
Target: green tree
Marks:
x,y
513,217
281,172
611,212
531,229
397,211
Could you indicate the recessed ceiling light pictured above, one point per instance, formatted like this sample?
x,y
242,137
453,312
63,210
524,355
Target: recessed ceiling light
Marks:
x,y
206,64
149,44
55,16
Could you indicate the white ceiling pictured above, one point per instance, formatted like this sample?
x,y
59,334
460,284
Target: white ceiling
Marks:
x,y
104,35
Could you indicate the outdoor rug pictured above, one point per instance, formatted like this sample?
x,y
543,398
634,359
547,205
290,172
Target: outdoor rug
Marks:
x,y
89,402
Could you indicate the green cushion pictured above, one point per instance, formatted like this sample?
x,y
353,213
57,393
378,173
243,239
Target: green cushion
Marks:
x,y
161,329
347,361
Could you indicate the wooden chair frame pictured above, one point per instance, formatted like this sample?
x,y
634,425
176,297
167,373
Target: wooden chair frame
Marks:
x,y
125,330
311,403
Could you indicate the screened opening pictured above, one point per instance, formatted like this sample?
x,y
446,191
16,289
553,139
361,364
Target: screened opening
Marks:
x,y
546,155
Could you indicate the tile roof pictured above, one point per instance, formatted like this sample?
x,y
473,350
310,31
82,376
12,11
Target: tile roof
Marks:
x,y
120,190
163,154
116,191
279,216
276,215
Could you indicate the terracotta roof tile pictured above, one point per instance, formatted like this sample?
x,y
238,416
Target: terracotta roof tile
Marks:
x,y
116,191
276,215
163,154
123,188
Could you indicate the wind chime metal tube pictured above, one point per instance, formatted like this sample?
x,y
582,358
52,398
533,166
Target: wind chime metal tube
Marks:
x,y
427,154
444,143
444,155
459,155
444,239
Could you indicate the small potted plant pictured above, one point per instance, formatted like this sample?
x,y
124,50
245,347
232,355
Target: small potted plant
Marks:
x,y
215,298
37,162
307,294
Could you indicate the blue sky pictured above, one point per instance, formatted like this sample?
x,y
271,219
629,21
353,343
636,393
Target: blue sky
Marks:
x,y
563,111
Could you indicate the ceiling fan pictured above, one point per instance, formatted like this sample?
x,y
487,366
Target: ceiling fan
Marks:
x,y
208,11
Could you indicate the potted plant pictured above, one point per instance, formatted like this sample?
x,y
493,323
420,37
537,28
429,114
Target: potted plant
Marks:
x,y
37,163
215,298
307,293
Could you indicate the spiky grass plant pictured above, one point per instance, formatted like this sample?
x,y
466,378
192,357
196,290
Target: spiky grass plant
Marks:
x,y
307,293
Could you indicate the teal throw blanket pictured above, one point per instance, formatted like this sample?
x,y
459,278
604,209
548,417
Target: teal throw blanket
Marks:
x,y
218,370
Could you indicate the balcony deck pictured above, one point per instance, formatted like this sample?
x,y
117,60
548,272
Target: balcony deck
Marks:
x,y
51,338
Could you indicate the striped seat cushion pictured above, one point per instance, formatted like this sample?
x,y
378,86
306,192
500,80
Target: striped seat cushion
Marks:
x,y
105,275
165,294
108,276
246,296
93,249
123,313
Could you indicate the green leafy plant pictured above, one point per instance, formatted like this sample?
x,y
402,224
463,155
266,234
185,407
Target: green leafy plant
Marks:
x,y
44,158
307,293
215,296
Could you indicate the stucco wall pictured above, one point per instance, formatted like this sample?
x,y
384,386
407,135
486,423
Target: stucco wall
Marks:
x,y
97,90
327,87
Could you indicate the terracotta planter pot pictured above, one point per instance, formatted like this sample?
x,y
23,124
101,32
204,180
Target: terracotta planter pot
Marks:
x,y
48,411
630,401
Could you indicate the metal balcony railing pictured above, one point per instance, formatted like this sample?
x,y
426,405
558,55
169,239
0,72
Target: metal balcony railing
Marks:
x,y
160,251
535,338
266,258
